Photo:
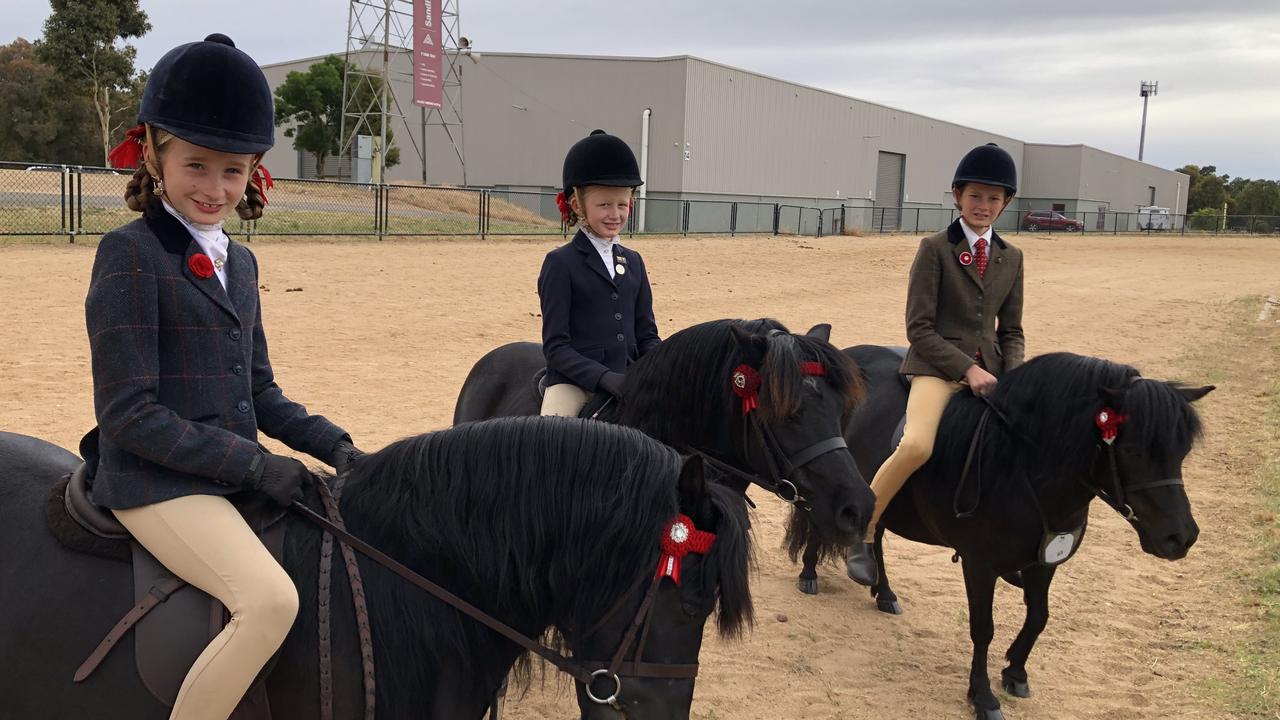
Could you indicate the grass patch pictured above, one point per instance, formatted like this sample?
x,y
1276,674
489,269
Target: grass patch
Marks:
x,y
1249,686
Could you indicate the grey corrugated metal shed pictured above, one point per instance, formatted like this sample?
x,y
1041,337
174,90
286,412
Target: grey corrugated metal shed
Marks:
x,y
721,131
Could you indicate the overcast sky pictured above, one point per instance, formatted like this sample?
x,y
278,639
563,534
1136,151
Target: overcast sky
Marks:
x,y
1067,72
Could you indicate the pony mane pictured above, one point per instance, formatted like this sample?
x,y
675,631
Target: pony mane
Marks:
x,y
530,519
686,379
1053,400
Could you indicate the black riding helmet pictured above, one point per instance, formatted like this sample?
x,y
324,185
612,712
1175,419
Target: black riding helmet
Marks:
x,y
988,164
213,95
600,159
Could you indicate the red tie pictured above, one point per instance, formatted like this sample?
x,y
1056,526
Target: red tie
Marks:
x,y
980,256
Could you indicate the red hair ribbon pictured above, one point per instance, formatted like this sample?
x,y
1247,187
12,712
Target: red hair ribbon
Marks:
x,y
1109,422
813,369
128,154
746,385
679,539
262,180
563,204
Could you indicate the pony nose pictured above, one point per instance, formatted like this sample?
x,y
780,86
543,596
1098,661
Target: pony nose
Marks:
x,y
853,515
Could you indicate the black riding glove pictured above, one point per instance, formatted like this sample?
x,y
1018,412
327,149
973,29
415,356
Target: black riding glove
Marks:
x,y
611,382
343,453
280,478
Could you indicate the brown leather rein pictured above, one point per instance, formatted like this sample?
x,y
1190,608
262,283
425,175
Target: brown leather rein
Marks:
x,y
584,671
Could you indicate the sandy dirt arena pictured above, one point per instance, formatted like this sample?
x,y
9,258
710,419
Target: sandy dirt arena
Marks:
x,y
379,336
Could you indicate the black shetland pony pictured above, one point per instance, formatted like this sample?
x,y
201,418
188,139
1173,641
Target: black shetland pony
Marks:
x,y
1039,461
682,394
548,524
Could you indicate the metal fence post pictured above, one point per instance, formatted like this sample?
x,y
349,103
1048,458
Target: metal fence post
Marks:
x,y
79,204
917,231
684,223
62,191
733,218
777,214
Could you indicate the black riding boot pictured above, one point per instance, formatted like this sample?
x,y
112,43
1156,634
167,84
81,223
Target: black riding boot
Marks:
x,y
860,563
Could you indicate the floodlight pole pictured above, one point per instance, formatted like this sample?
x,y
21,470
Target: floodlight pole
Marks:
x,y
1146,89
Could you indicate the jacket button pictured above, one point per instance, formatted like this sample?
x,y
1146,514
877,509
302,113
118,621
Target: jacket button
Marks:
x,y
621,337
238,369
617,316
614,296
234,333
243,406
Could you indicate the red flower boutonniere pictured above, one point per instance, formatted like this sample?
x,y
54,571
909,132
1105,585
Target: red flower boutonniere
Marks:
x,y
201,266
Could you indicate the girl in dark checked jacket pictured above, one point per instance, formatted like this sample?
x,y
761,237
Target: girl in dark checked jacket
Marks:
x,y
181,379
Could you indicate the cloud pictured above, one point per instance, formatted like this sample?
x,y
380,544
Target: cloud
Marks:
x,y
1061,73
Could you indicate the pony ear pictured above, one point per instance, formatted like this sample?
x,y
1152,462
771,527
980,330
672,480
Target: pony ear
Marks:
x,y
1193,394
1111,397
692,484
752,346
821,331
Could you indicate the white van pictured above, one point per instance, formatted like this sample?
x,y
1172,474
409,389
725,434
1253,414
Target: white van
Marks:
x,y
1154,218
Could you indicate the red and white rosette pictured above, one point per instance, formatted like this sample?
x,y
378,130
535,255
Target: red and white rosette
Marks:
x,y
746,385
966,258
679,539
1109,422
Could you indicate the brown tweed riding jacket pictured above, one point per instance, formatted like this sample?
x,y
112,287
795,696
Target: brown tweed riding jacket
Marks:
x,y
952,313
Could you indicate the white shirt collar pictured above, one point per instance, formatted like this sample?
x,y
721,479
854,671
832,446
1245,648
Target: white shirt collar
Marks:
x,y
972,236
600,243
604,248
211,239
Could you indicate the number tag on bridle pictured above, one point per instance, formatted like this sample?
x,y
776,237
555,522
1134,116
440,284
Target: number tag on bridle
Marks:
x,y
1057,548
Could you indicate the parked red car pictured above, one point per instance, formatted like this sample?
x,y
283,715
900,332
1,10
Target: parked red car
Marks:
x,y
1049,220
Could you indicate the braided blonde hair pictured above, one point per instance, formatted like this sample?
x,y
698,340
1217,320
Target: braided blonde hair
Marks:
x,y
147,182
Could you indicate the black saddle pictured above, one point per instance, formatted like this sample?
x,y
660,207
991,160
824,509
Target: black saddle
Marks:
x,y
896,438
172,622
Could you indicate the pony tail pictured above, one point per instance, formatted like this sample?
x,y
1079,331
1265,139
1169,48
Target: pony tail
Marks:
x,y
140,192
250,206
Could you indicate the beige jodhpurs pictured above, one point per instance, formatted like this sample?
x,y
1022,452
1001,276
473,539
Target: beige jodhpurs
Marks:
x,y
203,540
564,399
928,398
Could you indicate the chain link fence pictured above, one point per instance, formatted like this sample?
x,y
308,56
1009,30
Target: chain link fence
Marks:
x,y
66,200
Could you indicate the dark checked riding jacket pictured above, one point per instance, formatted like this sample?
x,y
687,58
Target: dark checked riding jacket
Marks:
x,y
181,378
952,314
592,323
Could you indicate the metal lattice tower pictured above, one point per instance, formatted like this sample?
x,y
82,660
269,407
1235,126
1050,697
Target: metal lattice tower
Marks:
x,y
377,31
